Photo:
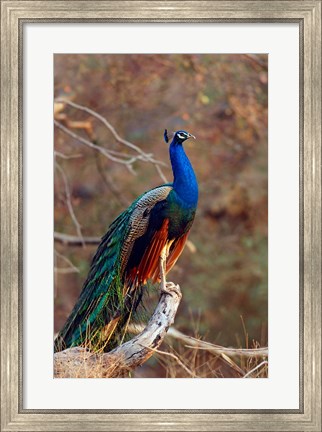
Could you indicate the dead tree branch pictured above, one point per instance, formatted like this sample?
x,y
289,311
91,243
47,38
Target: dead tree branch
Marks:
x,y
217,349
71,240
110,154
79,363
193,343
127,160
69,204
70,269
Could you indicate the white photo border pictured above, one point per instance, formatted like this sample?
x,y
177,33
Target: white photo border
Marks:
x,y
283,154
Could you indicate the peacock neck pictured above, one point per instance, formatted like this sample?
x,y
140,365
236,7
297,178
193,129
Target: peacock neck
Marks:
x,y
184,179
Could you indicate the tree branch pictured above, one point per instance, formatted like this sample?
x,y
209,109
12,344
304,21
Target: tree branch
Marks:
x,y
69,202
71,240
79,363
193,343
218,349
141,155
74,240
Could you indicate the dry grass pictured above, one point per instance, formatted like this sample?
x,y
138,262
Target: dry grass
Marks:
x,y
180,361
199,359
184,356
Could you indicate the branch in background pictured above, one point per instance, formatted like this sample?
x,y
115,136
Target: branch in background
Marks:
x,y
63,270
194,343
79,363
63,156
141,155
71,240
232,352
70,269
69,202
110,154
109,183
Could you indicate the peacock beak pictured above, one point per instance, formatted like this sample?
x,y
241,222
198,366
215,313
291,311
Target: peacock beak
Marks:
x,y
191,136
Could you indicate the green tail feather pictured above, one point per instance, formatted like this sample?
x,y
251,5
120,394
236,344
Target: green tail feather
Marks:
x,y
101,299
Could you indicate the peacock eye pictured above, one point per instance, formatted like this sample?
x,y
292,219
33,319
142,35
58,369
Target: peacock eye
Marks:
x,y
181,136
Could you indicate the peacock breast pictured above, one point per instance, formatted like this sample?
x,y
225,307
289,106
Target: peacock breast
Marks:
x,y
180,214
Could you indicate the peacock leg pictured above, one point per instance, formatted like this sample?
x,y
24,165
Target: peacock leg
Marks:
x,y
163,261
167,287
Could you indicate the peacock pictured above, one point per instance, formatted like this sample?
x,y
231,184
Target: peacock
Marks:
x,y
151,233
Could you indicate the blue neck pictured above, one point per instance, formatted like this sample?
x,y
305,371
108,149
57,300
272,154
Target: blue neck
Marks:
x,y
184,182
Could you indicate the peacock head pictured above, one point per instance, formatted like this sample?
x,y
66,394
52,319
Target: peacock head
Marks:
x,y
178,137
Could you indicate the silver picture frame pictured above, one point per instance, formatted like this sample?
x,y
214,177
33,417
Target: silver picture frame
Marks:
x,y
14,15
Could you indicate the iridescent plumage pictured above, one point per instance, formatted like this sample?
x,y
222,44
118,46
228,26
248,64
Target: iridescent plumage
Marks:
x,y
129,255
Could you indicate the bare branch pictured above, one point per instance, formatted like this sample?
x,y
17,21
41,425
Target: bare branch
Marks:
x,y
65,270
110,128
69,201
217,349
75,241
145,157
202,345
160,172
109,183
70,269
107,153
71,240
63,156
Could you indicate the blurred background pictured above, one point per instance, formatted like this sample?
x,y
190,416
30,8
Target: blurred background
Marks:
x,y
222,100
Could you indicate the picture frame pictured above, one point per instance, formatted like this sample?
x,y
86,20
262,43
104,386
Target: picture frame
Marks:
x,y
14,14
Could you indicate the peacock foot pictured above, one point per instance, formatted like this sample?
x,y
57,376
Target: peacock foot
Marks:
x,y
171,288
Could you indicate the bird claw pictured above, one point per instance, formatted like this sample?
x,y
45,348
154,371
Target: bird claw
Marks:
x,y
171,288
168,288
